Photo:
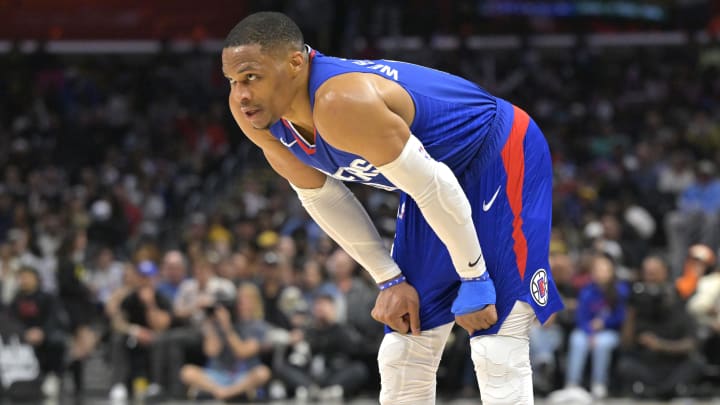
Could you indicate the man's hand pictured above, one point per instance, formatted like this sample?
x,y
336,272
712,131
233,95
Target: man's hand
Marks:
x,y
399,308
34,336
478,320
474,306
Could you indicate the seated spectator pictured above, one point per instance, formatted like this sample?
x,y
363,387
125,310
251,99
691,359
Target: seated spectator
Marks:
x,y
143,315
106,276
599,316
658,337
195,297
78,301
38,312
322,366
118,347
234,368
704,306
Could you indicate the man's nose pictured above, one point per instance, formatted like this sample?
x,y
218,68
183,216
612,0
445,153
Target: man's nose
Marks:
x,y
241,95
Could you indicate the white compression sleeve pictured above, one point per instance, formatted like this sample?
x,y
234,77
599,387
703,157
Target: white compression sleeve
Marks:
x,y
341,216
442,201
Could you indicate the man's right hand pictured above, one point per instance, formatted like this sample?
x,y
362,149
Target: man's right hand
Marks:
x,y
399,308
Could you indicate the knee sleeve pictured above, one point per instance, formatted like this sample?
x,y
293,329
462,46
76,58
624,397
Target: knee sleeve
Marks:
x,y
408,366
502,367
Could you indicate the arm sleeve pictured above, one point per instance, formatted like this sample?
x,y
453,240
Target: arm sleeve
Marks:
x,y
340,215
442,201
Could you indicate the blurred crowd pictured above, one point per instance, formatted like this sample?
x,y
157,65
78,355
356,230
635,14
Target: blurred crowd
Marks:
x,y
136,220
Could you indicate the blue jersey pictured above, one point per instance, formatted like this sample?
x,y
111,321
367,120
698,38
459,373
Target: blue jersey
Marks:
x,y
483,140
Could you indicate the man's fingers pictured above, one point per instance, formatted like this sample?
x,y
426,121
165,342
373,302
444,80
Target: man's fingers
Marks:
x,y
414,316
400,325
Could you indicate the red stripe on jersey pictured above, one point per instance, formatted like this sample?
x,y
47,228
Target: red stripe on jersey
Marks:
x,y
513,156
309,149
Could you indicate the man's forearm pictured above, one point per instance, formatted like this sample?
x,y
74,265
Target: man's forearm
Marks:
x,y
443,203
340,215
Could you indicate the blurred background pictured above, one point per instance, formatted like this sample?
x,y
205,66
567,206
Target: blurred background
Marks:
x,y
138,226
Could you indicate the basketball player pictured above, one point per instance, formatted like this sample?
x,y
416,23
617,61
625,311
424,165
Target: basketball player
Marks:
x,y
474,176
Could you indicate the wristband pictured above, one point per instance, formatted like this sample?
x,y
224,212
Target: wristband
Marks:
x,y
474,294
388,284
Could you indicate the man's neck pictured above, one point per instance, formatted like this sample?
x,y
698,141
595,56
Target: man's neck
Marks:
x,y
300,112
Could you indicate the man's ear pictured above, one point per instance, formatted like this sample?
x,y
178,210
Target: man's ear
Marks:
x,y
297,61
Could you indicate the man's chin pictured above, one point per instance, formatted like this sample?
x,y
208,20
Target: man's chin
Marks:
x,y
265,127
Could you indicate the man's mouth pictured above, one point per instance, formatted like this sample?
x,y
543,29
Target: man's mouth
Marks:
x,y
250,112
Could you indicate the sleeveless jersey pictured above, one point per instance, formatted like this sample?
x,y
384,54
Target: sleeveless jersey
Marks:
x,y
468,129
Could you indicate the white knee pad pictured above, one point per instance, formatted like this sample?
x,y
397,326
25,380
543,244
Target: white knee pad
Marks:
x,y
408,366
502,367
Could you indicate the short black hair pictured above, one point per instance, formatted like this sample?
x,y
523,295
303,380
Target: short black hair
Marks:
x,y
269,29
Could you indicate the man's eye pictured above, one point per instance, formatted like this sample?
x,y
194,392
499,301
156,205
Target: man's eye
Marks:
x,y
232,81
251,76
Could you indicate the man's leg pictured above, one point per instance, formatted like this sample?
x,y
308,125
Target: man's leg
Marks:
x,y
502,361
605,343
254,379
408,366
196,377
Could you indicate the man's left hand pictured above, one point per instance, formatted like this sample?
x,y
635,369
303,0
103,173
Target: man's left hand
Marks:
x,y
478,320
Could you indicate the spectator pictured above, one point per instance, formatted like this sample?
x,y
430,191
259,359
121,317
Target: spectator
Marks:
x,y
599,316
144,314
38,312
106,276
77,300
195,299
659,337
234,366
118,347
323,365
704,306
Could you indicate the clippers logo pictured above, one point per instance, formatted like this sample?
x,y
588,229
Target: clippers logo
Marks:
x,y
539,287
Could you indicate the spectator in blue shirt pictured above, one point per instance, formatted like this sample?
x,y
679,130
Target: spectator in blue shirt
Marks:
x,y
599,317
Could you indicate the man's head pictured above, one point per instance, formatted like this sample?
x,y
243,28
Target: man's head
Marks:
x,y
263,58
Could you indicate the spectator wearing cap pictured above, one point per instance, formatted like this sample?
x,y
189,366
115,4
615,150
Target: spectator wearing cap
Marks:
x,y
697,218
143,315
272,287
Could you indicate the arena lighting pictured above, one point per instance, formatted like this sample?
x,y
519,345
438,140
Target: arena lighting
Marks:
x,y
570,9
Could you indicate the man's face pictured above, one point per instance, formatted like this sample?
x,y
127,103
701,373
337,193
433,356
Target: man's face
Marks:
x,y
261,84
